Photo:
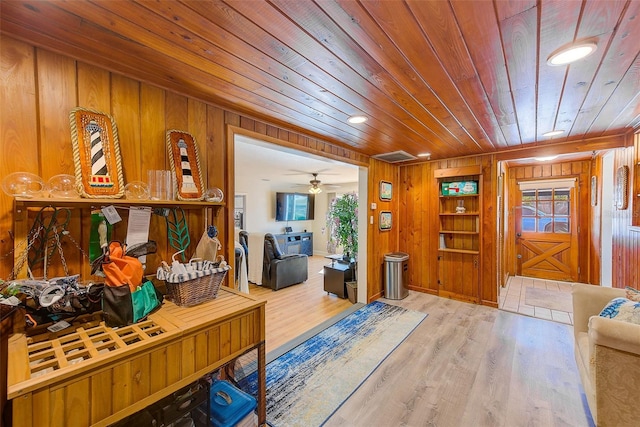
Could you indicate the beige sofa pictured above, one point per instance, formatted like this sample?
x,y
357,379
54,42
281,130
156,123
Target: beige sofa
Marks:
x,y
607,353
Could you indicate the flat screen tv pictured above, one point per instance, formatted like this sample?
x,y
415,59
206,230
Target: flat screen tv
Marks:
x,y
294,206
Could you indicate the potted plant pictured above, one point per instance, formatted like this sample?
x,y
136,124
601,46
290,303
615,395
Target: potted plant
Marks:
x,y
342,224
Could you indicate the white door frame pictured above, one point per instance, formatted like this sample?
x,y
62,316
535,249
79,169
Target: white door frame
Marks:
x,y
606,219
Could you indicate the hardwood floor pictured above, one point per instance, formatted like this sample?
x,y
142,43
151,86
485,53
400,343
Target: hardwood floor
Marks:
x,y
470,365
465,365
294,310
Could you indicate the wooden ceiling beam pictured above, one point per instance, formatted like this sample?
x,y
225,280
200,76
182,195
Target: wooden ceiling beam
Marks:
x,y
587,145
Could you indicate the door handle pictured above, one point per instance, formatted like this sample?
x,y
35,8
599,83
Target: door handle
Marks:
x,y
518,234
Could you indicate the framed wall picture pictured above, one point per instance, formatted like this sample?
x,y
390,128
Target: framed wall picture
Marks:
x,y
386,190
622,188
185,165
385,220
96,154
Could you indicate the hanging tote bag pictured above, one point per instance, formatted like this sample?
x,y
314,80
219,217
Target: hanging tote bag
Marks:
x,y
209,245
117,305
122,307
120,269
145,300
125,299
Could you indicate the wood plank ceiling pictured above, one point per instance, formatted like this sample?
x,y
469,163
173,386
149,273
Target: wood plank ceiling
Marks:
x,y
449,77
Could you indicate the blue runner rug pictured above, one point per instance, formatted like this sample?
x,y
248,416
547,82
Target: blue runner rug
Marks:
x,y
306,385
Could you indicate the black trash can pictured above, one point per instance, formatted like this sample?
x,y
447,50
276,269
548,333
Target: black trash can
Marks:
x,y
396,275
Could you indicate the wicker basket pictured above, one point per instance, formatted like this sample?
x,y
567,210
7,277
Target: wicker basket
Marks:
x,y
196,287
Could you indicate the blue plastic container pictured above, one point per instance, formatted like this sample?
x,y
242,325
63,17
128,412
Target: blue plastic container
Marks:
x,y
228,404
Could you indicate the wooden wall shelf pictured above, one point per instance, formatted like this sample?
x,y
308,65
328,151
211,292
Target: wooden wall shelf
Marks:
x,y
200,213
458,232
460,214
457,196
457,172
459,251
86,203
459,248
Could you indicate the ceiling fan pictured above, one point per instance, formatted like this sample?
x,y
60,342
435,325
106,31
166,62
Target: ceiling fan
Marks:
x,y
326,171
315,185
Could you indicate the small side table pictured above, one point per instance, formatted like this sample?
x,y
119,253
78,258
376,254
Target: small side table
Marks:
x,y
335,276
338,258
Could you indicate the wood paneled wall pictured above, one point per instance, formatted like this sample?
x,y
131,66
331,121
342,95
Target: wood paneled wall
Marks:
x,y
581,170
43,87
382,242
419,224
626,237
39,88
418,213
634,182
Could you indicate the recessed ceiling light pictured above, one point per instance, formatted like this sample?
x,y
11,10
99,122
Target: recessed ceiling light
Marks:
x,y
567,55
553,133
545,159
424,154
357,119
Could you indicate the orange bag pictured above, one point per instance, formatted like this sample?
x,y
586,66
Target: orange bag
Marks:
x,y
120,269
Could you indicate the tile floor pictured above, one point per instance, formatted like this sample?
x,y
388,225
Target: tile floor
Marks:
x,y
512,298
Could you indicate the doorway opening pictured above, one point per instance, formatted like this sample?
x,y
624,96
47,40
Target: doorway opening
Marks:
x,y
546,248
544,218
264,168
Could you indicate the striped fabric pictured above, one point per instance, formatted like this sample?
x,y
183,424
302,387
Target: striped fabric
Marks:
x,y
196,269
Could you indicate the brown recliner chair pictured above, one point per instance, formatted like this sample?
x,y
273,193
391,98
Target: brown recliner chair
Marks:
x,y
280,270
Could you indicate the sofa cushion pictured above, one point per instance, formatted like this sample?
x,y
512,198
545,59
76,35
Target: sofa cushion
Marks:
x,y
632,294
622,309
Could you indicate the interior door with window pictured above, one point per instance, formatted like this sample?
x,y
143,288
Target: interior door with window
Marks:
x,y
547,232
